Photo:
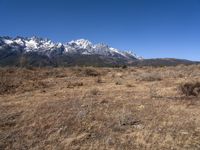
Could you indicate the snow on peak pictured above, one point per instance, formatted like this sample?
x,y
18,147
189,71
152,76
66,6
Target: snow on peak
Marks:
x,y
19,41
8,41
31,44
82,43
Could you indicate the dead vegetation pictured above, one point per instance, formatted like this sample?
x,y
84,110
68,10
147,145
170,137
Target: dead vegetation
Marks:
x,y
100,108
87,71
150,77
99,79
95,91
14,80
6,84
190,89
71,84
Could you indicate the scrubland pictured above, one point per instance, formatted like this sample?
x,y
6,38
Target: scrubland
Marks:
x,y
100,108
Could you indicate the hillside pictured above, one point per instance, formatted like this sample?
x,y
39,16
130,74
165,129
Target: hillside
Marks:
x,y
99,108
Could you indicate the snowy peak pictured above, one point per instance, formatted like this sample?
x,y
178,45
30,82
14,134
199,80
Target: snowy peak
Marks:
x,y
31,44
82,43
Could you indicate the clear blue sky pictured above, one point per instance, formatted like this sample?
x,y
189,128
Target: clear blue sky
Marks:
x,y
152,28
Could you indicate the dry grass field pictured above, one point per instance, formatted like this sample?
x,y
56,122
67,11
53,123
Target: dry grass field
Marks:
x,y
100,108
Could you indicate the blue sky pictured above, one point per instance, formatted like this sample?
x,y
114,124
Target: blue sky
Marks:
x,y
152,28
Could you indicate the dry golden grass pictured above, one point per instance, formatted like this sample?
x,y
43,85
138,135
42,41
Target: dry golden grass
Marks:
x,y
98,108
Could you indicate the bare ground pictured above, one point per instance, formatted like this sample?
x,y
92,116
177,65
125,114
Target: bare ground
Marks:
x,y
98,108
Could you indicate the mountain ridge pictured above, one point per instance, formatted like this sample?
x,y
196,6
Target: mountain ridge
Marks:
x,y
44,52
43,44
36,51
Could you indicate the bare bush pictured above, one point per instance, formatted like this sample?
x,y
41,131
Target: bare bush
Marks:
x,y
190,89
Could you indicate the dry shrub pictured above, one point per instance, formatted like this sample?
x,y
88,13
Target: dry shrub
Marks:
x,y
99,79
74,84
85,71
124,67
190,89
130,85
119,82
150,77
124,119
128,119
39,84
94,91
91,72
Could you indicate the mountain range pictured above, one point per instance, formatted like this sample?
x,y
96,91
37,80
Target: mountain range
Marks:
x,y
35,51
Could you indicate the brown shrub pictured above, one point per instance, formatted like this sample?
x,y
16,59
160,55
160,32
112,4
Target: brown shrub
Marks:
x,y
94,91
119,82
85,71
190,89
124,66
74,84
91,72
130,85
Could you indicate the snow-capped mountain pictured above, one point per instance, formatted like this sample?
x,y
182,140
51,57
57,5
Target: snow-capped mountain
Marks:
x,y
34,51
49,48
